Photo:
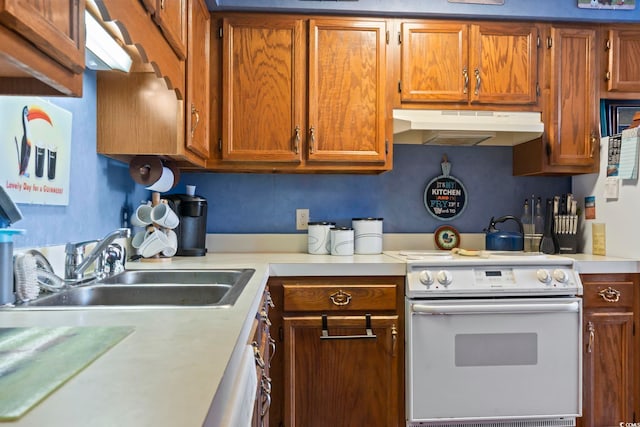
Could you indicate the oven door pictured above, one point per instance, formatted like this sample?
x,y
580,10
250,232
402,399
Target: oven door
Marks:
x,y
493,359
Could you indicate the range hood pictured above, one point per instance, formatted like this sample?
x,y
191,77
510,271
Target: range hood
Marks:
x,y
465,128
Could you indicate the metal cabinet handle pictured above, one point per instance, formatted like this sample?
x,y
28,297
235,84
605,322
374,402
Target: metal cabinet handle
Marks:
x,y
194,112
162,4
610,294
465,76
312,139
269,300
257,356
592,332
394,339
325,331
476,72
272,348
607,76
265,317
296,140
340,298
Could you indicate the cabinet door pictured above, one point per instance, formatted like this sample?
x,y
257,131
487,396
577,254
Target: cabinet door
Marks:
x,y
197,81
341,382
346,113
572,127
503,63
623,74
263,89
608,366
171,16
434,62
56,27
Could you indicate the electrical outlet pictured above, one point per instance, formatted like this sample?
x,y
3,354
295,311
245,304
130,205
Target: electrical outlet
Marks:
x,y
302,219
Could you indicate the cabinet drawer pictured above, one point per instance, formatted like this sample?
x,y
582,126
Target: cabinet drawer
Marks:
x,y
331,297
608,294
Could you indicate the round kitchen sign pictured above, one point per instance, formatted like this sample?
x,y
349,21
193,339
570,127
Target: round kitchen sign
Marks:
x,y
445,196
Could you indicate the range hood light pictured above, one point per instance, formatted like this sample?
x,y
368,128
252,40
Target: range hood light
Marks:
x,y
465,128
102,51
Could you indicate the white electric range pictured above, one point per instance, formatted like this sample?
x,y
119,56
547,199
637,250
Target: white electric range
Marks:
x,y
492,340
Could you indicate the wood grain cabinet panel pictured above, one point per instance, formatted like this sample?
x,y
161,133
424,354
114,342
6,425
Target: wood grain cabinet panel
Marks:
x,y
571,142
171,16
610,358
198,79
331,372
263,85
623,60
300,94
346,91
467,64
42,47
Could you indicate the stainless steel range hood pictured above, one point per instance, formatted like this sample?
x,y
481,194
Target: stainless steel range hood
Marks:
x,y
461,127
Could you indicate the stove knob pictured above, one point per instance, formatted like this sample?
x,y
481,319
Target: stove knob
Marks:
x,y
543,276
426,277
560,275
444,277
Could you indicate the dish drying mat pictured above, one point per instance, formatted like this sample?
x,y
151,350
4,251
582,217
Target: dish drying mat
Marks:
x,y
36,361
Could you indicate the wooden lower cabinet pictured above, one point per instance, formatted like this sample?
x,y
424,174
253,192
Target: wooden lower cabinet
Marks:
x,y
340,361
611,350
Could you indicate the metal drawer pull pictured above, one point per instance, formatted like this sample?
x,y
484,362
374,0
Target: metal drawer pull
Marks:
x,y
592,333
610,294
257,355
325,331
340,298
495,308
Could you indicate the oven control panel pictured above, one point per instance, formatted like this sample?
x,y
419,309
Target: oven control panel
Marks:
x,y
474,280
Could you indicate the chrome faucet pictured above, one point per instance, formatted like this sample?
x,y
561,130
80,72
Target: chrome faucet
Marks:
x,y
75,261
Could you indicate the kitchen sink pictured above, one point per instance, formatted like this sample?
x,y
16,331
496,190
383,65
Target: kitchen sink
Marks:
x,y
154,288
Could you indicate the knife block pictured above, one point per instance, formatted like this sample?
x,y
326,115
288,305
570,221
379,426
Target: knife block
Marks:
x,y
567,243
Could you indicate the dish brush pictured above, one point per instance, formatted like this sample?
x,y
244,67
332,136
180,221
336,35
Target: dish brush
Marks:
x,y
25,277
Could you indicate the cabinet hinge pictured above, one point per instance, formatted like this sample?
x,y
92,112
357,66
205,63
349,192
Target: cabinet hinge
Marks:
x,y
607,45
220,145
538,40
548,149
633,329
537,89
281,334
386,147
387,36
399,86
399,37
549,42
220,32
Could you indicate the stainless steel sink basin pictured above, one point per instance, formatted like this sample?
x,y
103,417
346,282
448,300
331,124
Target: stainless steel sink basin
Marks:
x,y
148,288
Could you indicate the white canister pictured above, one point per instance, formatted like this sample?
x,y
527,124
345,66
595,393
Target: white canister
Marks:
x,y
319,237
367,235
342,241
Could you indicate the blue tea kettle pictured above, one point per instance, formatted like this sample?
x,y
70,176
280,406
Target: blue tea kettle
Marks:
x,y
496,240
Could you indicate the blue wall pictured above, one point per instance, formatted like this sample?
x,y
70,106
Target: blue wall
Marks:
x,y
266,203
98,186
254,203
559,10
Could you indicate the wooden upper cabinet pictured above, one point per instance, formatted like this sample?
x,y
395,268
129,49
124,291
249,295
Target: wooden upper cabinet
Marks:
x,y
623,60
56,27
346,90
458,62
504,63
572,114
42,47
263,84
171,16
197,79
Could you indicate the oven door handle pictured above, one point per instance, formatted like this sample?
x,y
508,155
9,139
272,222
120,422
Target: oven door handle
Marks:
x,y
489,308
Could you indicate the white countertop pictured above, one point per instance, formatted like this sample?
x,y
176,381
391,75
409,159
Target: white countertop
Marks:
x,y
168,371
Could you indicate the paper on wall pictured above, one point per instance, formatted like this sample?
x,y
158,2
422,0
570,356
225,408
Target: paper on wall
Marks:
x,y
628,168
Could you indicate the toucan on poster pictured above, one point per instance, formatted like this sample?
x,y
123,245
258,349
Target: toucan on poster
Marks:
x,y
35,150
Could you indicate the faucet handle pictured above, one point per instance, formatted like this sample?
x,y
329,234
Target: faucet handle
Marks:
x,y
77,248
